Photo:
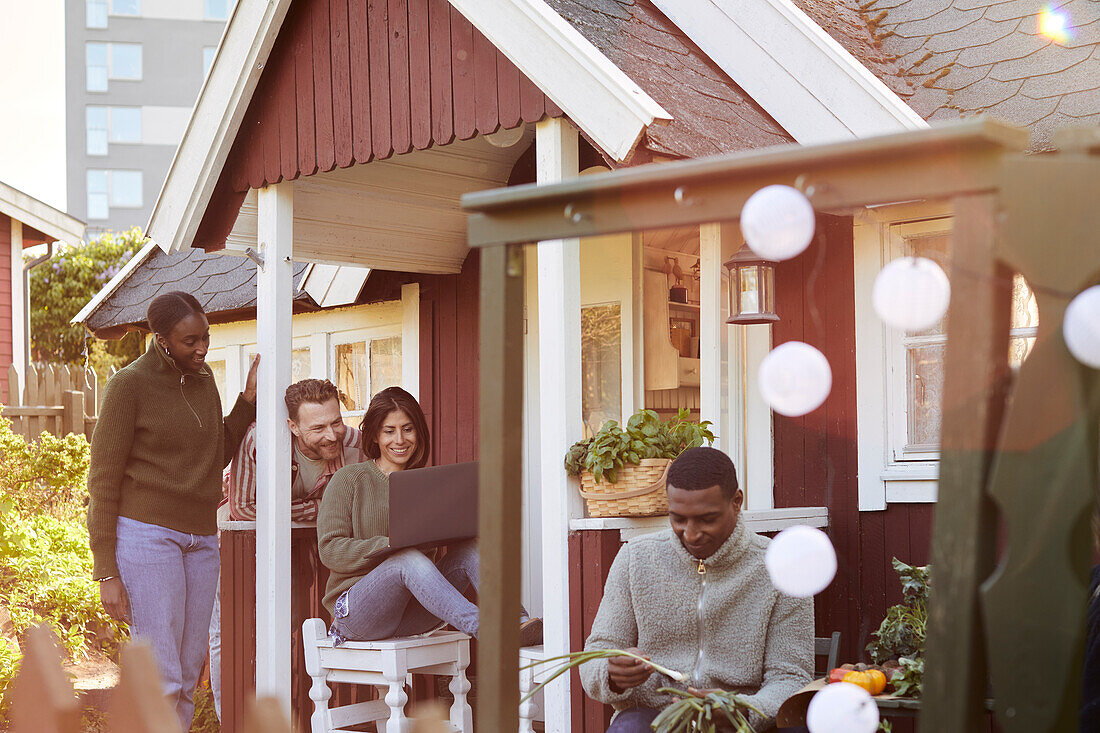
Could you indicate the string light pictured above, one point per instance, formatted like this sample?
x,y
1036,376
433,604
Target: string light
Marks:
x,y
801,561
777,222
1081,327
911,293
794,378
842,707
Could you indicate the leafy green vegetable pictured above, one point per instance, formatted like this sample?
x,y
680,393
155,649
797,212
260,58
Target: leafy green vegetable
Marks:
x,y
910,681
903,631
645,436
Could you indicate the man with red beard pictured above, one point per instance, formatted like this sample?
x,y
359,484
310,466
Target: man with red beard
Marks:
x,y
321,445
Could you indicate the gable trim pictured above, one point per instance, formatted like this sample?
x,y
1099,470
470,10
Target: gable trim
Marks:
x,y
800,75
41,216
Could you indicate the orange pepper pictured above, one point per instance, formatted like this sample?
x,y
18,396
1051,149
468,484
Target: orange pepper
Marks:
x,y
859,679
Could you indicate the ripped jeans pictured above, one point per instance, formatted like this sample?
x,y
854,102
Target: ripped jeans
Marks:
x,y
408,594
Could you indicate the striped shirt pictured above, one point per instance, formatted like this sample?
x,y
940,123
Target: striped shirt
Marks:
x,y
304,501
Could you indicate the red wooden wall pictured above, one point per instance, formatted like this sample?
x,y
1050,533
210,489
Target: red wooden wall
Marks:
x,y
350,81
5,305
815,455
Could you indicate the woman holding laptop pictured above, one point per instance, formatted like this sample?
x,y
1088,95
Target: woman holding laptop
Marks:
x,y
372,594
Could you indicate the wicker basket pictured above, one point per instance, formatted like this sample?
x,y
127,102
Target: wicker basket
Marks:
x,y
638,492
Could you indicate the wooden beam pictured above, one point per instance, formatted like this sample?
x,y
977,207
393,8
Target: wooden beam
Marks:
x,y
559,297
501,469
273,336
976,375
886,169
714,241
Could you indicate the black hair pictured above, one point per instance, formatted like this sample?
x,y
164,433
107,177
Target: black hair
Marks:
x,y
168,309
701,468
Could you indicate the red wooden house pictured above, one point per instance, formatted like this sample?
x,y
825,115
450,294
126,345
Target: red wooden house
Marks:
x,y
343,133
24,222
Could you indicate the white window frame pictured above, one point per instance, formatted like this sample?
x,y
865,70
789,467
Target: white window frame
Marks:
x,y
373,333
111,190
88,66
88,193
111,73
102,132
112,136
889,471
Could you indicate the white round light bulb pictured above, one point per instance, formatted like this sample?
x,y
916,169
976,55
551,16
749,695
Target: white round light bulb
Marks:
x,y
842,707
801,561
777,222
1081,327
795,378
911,293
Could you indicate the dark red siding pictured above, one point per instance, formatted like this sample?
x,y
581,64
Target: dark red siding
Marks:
x,y
350,81
5,305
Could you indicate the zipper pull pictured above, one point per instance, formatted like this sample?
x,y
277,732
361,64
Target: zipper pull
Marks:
x,y
702,569
183,379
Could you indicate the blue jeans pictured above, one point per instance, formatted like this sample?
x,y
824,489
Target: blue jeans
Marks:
x,y
408,594
171,578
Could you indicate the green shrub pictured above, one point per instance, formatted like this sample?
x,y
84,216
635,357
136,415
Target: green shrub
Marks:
x,y
45,562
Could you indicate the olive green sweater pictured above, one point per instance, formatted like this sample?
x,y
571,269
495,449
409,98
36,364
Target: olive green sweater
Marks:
x,y
353,522
158,451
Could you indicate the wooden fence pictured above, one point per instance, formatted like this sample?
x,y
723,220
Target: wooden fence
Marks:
x,y
55,399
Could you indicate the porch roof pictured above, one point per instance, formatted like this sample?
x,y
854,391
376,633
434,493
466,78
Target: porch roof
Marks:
x,y
42,223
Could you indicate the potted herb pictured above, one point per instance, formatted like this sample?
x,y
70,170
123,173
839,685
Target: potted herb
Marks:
x,y
622,470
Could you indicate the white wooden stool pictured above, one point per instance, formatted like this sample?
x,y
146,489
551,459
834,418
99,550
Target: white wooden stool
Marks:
x,y
385,664
528,678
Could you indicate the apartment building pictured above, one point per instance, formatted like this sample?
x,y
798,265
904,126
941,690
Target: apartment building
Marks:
x,y
134,69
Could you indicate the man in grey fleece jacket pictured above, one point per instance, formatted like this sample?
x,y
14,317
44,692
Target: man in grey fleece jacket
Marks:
x,y
697,599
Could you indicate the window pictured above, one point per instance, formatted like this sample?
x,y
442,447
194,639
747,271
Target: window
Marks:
x,y
96,65
107,188
97,194
125,61
125,125
97,130
208,59
95,14
218,369
364,367
601,365
216,9
105,61
125,7
915,423
126,189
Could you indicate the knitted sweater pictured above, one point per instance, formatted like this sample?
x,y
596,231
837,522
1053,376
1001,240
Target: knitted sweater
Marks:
x,y
755,640
158,451
353,522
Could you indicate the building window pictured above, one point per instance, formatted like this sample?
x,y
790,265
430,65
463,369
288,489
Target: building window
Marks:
x,y
916,402
97,130
107,188
208,59
601,366
95,14
125,7
216,9
124,124
98,187
96,64
364,366
121,61
125,61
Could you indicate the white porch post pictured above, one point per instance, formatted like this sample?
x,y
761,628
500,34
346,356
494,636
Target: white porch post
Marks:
x,y
273,310
18,313
714,241
559,298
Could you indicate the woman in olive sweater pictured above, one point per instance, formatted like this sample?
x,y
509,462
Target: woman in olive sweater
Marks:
x,y
158,451
372,594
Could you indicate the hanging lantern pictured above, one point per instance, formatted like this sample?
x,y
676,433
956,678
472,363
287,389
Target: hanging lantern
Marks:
x,y
752,288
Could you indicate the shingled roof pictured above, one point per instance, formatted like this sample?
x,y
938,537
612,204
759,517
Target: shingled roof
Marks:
x,y
710,113
221,283
966,57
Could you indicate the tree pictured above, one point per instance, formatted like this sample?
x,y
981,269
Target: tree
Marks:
x,y
62,286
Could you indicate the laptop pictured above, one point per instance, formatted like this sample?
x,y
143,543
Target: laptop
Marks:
x,y
432,506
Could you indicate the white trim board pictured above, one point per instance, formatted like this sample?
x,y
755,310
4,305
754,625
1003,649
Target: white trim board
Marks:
x,y
33,213
769,520
596,95
810,85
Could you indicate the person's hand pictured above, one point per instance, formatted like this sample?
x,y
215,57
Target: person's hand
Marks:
x,y
115,601
627,672
249,392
